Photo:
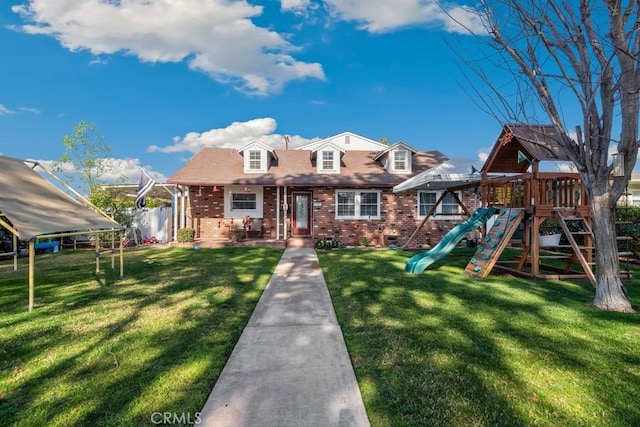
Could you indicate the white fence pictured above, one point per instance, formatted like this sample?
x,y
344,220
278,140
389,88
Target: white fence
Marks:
x,y
155,222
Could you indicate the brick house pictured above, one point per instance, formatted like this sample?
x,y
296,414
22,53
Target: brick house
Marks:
x,y
340,187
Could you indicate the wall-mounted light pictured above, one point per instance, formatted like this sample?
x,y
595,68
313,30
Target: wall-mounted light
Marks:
x,y
247,189
618,164
215,189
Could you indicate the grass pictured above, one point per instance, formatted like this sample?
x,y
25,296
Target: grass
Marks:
x,y
436,348
440,348
112,352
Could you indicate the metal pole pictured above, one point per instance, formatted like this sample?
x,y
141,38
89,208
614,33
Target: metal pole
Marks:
x,y
16,252
97,254
32,257
121,255
113,250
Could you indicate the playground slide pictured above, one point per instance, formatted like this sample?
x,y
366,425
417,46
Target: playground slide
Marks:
x,y
418,263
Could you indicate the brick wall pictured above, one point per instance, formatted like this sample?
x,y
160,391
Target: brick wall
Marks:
x,y
398,220
398,217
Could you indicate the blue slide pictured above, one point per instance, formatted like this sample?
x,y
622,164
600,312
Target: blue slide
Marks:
x,y
418,263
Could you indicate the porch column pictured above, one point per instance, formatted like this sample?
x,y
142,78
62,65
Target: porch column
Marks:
x,y
176,213
183,208
284,209
278,212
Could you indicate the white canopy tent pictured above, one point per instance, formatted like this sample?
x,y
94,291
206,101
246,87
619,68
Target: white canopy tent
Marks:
x,y
32,207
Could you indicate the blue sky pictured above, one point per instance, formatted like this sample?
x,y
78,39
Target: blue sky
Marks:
x,y
161,79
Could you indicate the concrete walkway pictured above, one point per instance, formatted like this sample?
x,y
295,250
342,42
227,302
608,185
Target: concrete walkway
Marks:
x,y
290,366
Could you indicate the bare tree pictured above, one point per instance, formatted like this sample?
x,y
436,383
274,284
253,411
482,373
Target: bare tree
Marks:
x,y
584,54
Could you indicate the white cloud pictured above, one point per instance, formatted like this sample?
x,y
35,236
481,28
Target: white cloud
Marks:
x,y
30,110
235,135
483,153
4,110
126,169
378,16
216,37
295,4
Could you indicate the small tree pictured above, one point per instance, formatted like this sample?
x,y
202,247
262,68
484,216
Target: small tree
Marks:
x,y
87,157
121,210
585,52
87,154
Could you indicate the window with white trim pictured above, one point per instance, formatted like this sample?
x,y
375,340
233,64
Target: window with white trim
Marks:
x,y
400,161
255,160
357,204
426,200
243,201
328,161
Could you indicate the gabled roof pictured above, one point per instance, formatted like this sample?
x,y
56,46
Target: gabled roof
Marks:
x,y
536,142
329,145
356,142
395,146
257,145
224,166
34,206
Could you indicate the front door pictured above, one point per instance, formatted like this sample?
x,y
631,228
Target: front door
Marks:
x,y
301,214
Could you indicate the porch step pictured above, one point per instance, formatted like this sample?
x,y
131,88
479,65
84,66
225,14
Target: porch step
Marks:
x,y
301,242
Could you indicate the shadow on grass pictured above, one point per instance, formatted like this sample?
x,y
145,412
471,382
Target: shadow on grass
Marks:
x,y
441,348
115,353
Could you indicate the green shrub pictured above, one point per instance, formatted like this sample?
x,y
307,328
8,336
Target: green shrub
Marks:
x,y
186,235
328,243
630,215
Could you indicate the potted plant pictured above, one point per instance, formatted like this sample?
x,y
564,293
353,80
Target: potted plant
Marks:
x,y
549,232
246,225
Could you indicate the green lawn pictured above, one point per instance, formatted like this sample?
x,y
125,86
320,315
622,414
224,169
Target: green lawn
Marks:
x,y
112,352
440,348
436,348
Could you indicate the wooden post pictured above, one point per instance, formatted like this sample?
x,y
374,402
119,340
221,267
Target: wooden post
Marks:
x,y
535,246
426,217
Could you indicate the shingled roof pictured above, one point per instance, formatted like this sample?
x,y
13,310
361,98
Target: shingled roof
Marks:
x,y
224,166
536,142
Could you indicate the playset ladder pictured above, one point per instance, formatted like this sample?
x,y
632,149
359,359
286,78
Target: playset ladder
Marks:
x,y
583,253
491,246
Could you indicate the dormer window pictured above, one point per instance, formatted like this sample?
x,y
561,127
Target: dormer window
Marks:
x,y
327,158
255,160
328,161
400,161
397,158
257,157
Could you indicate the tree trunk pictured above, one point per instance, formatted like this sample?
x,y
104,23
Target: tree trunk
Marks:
x,y
609,289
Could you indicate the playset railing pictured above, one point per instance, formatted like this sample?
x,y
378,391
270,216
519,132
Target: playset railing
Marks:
x,y
553,190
